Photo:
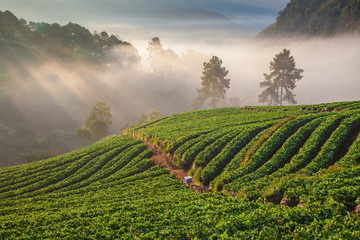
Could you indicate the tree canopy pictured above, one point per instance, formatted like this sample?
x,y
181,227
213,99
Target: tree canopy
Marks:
x,y
77,41
214,83
281,80
96,125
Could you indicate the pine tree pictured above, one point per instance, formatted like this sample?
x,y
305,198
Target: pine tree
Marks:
x,y
214,84
281,80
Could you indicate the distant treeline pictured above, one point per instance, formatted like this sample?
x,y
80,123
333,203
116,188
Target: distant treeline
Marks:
x,y
71,40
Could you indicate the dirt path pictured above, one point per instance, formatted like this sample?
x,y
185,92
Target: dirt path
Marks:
x,y
162,160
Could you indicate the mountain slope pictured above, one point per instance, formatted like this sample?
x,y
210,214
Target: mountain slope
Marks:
x,y
315,18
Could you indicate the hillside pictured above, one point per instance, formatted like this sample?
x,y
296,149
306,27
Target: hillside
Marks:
x,y
315,18
51,75
286,173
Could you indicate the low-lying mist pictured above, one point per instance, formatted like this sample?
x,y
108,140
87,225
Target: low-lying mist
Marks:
x,y
166,79
37,90
53,96
331,65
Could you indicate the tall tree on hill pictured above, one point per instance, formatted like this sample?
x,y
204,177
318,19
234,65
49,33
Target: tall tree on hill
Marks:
x,y
214,84
99,119
281,80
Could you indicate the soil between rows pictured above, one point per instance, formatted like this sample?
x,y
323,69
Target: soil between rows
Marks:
x,y
162,160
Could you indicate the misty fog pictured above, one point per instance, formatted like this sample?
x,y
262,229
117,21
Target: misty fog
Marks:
x,y
168,81
48,96
331,65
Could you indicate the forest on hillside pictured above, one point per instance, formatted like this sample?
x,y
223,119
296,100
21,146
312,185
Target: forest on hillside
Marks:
x,y
315,18
65,42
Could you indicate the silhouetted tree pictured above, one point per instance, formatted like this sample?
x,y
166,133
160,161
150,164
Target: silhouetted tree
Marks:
x,y
214,83
281,80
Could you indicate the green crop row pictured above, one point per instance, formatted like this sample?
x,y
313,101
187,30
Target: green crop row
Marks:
x,y
47,180
18,173
116,164
283,155
164,209
215,166
211,150
40,182
306,152
189,155
326,156
171,148
352,157
175,127
26,180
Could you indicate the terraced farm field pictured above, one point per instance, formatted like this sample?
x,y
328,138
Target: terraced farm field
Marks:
x,y
276,173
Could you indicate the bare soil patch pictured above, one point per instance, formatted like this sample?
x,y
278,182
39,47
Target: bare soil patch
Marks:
x,y
163,160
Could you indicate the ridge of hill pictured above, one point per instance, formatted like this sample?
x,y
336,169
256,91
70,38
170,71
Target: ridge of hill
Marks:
x,y
315,18
285,172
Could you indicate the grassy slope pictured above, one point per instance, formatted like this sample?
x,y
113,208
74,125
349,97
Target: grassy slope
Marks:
x,y
111,189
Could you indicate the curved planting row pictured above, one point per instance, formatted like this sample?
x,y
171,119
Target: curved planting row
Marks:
x,y
45,172
282,156
115,153
325,157
178,126
315,154
309,150
215,166
293,138
112,167
189,155
28,170
153,205
211,150
269,147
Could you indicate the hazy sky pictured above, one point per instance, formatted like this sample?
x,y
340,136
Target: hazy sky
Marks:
x,y
246,15
213,27
86,10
